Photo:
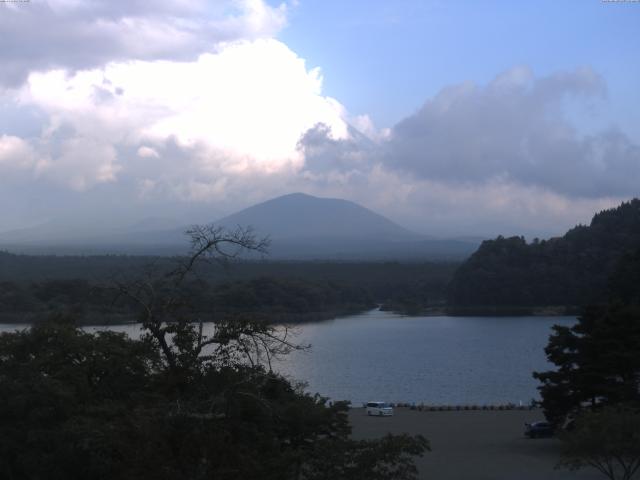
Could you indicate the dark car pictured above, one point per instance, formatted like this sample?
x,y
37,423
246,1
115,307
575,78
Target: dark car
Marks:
x,y
538,429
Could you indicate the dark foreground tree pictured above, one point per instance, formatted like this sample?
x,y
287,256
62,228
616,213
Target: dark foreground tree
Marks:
x,y
598,362
597,359
181,403
597,381
607,440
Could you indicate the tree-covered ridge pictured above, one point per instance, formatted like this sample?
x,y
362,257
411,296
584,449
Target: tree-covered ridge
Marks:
x,y
566,271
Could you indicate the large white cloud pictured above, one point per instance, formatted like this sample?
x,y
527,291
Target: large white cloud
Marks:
x,y
242,108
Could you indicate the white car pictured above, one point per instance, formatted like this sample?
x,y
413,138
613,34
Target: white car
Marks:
x,y
379,409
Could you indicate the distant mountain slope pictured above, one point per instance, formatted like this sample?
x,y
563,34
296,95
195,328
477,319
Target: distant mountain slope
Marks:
x,y
301,227
569,270
303,216
148,236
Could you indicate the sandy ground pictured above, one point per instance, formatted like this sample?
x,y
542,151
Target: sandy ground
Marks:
x,y
478,445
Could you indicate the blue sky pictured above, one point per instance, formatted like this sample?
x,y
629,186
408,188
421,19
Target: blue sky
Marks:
x,y
451,118
386,58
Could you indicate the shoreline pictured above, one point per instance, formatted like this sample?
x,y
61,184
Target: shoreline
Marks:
x,y
29,318
446,407
490,311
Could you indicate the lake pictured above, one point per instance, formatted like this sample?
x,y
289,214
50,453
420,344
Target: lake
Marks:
x,y
436,360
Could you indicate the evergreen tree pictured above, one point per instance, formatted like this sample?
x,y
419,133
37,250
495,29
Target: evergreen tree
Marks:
x,y
597,359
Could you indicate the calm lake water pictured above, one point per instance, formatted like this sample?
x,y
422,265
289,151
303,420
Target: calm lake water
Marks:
x,y
436,360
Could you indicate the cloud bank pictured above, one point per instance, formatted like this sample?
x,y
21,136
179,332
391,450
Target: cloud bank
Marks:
x,y
193,110
505,152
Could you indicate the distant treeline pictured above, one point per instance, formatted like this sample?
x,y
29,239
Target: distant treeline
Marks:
x,y
504,276
266,297
32,286
510,274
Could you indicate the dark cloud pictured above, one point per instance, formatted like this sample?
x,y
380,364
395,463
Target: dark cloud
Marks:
x,y
514,128
324,153
70,34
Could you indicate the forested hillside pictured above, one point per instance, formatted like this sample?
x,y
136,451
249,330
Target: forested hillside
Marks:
x,y
31,286
566,271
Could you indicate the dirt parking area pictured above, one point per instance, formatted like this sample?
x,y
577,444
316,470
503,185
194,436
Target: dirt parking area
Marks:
x,y
478,445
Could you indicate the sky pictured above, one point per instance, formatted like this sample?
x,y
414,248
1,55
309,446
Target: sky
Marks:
x,y
449,117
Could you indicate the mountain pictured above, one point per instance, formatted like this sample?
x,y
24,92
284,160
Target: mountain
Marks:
x,y
303,216
300,226
571,270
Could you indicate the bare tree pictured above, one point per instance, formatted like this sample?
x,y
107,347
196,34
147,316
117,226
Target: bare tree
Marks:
x,y
169,321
